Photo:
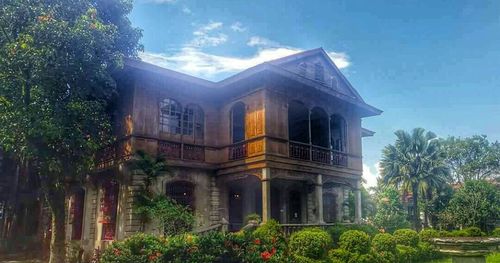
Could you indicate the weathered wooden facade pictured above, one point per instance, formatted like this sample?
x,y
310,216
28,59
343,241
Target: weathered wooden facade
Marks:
x,y
281,139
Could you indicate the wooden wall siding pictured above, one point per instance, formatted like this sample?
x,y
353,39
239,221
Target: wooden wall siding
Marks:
x,y
255,147
254,123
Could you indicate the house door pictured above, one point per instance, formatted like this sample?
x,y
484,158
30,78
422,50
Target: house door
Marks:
x,y
294,204
235,209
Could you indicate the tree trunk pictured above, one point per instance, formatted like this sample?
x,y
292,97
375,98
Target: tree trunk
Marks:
x,y
416,215
56,200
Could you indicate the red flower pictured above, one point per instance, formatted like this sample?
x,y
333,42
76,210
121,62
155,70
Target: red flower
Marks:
x,y
265,255
256,241
273,251
117,252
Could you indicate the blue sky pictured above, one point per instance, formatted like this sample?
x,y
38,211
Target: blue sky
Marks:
x,y
430,64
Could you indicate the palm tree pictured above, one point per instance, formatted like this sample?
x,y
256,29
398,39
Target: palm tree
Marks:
x,y
150,167
415,163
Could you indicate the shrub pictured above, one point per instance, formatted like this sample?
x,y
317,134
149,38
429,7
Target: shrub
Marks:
x,y
407,237
427,234
369,229
340,255
137,248
406,254
310,242
268,231
335,231
468,232
496,232
384,242
426,252
444,233
384,257
355,241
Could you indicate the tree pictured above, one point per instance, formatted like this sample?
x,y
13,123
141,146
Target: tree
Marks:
x,y
175,218
390,213
57,58
472,158
415,163
475,204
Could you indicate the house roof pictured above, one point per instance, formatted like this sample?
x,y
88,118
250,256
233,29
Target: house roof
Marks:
x,y
273,66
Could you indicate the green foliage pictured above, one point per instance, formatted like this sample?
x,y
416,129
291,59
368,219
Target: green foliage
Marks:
x,y
150,167
139,248
472,158
468,232
384,242
390,212
427,252
340,255
268,231
355,241
415,164
427,234
475,204
407,237
496,232
337,230
310,242
253,217
407,253
175,218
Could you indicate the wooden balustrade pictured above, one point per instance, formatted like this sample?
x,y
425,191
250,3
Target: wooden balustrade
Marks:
x,y
169,150
318,154
193,153
238,151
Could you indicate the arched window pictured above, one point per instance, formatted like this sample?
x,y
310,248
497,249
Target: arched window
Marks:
x,y
170,116
319,127
319,72
298,122
329,207
302,68
238,122
338,131
182,192
193,121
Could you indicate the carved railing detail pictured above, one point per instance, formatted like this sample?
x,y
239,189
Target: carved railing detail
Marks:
x,y
318,154
169,150
238,151
193,152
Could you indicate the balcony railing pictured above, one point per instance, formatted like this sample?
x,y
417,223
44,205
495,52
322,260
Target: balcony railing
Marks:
x,y
176,150
318,154
114,153
238,151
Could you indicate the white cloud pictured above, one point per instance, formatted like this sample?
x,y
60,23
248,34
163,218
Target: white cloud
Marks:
x,y
238,27
205,35
370,174
194,61
257,41
186,10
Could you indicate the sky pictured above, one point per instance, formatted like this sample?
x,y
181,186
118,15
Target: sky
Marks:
x,y
426,63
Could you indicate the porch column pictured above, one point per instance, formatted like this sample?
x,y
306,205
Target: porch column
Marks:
x,y
345,205
266,194
319,198
357,202
214,202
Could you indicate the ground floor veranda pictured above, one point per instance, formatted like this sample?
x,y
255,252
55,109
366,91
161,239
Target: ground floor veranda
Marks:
x,y
102,211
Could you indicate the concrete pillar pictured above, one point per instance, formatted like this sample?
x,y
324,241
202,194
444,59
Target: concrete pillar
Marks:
x,y
319,198
345,205
266,194
357,202
214,202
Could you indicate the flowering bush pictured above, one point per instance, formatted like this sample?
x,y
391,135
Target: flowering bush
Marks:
x,y
312,243
140,248
355,241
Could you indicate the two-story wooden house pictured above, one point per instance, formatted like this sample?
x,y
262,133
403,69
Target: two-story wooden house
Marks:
x,y
281,139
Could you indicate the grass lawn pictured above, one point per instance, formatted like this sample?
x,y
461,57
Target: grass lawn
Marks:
x,y
492,258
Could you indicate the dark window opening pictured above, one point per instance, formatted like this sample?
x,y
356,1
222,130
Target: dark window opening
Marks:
x,y
329,208
77,205
182,193
338,133
238,122
319,127
193,120
109,204
298,122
